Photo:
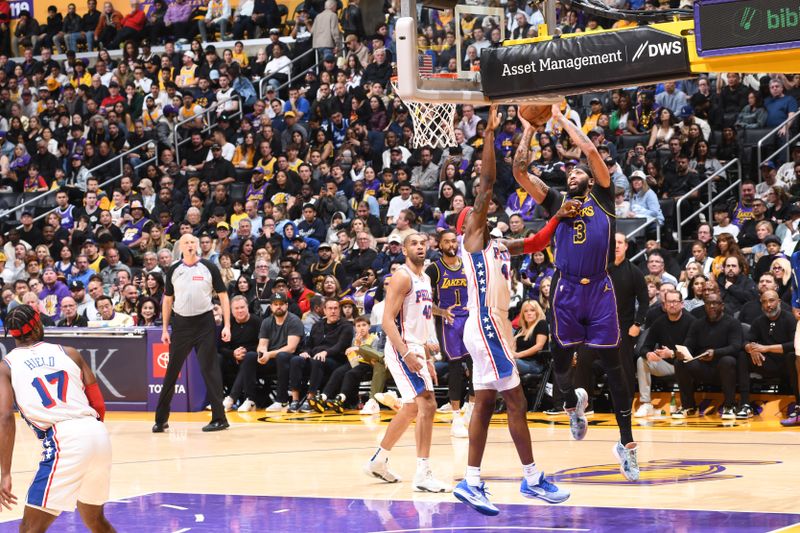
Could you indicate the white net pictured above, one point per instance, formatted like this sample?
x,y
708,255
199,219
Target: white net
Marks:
x,y
433,123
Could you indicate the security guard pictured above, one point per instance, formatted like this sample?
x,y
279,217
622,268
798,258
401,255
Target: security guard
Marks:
x,y
190,287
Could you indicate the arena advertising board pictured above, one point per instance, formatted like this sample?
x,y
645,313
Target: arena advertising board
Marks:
x,y
578,64
117,362
726,27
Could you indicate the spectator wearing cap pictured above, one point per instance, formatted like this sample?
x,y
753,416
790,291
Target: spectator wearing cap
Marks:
x,y
53,291
769,179
216,20
643,201
135,226
187,78
356,48
325,34
393,253
218,170
595,110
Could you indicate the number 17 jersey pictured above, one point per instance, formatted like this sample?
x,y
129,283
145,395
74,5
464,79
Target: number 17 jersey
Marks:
x,y
48,386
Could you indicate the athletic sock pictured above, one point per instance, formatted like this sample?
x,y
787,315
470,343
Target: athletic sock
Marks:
x,y
422,465
380,455
531,474
473,476
624,423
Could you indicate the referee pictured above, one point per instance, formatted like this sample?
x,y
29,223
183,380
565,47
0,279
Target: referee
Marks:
x,y
190,287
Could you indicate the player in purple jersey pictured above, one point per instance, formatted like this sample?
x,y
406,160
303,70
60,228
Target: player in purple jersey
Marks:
x,y
449,285
583,301
487,263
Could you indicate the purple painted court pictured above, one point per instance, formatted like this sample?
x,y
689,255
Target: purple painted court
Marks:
x,y
179,513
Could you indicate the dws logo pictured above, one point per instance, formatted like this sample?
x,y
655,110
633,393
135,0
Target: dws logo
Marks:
x,y
650,51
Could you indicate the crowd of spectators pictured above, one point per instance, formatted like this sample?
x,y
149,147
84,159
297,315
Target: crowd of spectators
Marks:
x,y
303,195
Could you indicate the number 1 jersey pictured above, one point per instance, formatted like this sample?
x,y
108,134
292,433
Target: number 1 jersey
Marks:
x,y
48,386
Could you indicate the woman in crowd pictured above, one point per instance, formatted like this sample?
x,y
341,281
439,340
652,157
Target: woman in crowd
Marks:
x,y
726,247
781,268
728,147
644,202
226,270
244,263
64,264
154,286
663,130
779,204
705,165
694,293
147,312
331,287
538,269
753,115
531,338
366,283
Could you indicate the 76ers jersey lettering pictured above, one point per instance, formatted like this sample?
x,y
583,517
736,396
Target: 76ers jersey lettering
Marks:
x,y
415,320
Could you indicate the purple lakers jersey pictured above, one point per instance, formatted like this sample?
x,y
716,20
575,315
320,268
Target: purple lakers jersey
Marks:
x,y
585,244
256,194
449,287
741,214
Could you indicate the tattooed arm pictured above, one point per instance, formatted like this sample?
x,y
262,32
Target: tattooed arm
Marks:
x,y
474,232
596,163
531,183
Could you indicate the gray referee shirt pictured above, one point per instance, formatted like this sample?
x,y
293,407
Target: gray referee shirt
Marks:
x,y
193,287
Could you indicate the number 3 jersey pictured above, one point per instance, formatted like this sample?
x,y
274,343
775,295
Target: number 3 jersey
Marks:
x,y
48,386
585,244
415,320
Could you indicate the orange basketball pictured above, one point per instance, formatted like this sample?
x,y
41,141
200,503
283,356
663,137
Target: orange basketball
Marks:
x,y
537,115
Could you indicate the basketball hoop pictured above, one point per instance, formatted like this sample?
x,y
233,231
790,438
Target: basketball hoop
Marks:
x,y
433,123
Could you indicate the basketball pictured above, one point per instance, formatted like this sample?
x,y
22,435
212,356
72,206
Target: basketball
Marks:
x,y
537,115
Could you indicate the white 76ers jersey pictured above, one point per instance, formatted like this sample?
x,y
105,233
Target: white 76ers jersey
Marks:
x,y
415,320
48,386
488,276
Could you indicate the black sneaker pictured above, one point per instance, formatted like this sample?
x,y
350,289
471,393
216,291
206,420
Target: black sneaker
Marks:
x,y
305,407
553,411
294,406
318,403
744,412
336,404
728,413
685,413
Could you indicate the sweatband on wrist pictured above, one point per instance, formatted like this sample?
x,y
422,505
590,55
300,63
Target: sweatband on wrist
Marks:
x,y
96,401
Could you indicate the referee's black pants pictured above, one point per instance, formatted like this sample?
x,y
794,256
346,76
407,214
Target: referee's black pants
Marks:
x,y
198,332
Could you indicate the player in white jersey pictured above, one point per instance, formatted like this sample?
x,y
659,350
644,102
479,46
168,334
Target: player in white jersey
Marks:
x,y
488,337
408,324
57,395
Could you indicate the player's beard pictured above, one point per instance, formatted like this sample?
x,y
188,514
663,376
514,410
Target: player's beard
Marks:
x,y
417,261
580,190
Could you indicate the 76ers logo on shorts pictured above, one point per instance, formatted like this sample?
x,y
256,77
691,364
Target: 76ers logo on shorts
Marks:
x,y
160,359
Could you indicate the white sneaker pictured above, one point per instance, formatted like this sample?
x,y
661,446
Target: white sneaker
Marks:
x,y
644,410
380,470
227,403
275,407
446,408
389,399
468,413
370,408
247,406
425,482
458,429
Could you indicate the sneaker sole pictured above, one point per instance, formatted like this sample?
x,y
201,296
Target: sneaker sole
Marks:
x,y
543,497
483,510
418,488
621,470
375,475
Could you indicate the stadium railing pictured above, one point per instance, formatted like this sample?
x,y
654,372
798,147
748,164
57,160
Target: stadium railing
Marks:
x,y
209,122
121,159
712,197
786,146
262,83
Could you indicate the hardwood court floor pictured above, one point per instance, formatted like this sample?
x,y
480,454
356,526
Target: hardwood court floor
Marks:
x,y
748,467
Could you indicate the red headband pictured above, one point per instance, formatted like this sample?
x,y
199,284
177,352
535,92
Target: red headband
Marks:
x,y
26,328
462,216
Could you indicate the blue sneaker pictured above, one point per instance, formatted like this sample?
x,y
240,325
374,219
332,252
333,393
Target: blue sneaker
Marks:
x,y
476,498
544,490
628,460
578,424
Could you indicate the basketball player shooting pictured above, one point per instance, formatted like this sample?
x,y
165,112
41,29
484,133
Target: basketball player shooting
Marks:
x,y
488,336
583,301
58,396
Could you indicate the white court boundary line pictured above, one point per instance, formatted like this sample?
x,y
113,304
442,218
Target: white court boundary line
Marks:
x,y
482,528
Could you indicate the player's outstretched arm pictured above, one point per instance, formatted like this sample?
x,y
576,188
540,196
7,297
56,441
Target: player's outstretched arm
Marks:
x,y
90,386
596,163
8,429
531,183
473,236
539,241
